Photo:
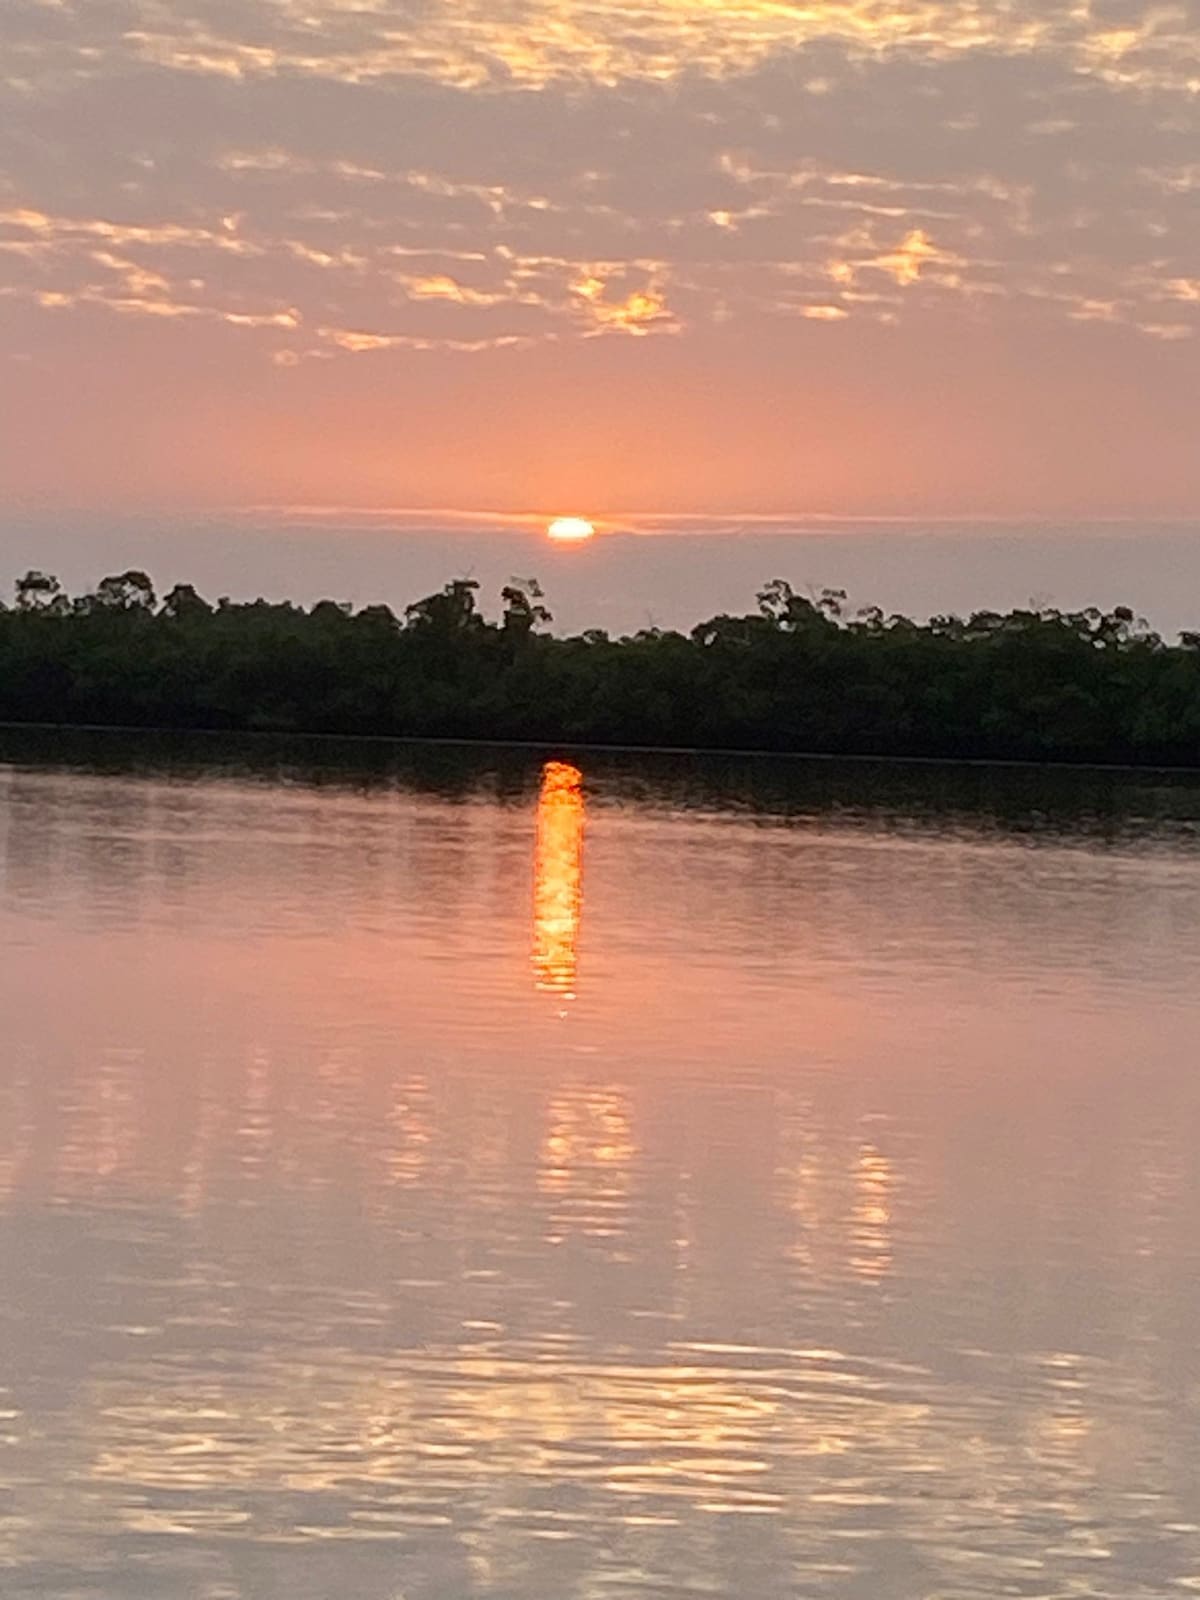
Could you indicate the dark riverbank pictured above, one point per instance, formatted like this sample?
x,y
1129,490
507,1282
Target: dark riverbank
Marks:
x,y
796,675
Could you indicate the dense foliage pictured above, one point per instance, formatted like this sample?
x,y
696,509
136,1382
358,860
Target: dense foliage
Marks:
x,y
796,673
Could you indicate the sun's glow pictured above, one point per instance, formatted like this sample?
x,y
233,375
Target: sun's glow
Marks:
x,y
570,528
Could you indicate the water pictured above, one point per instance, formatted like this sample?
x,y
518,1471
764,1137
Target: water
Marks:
x,y
432,1175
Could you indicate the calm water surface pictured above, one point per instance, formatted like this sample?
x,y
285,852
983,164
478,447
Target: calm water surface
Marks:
x,y
451,1177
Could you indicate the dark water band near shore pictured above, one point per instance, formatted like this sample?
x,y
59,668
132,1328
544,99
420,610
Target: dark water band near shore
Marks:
x,y
1071,803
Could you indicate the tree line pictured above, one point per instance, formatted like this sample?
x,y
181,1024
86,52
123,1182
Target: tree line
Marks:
x,y
798,672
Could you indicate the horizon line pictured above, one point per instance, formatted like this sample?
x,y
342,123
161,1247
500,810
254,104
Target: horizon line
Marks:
x,y
615,524
632,523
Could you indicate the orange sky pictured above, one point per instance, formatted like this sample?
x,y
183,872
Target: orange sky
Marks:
x,y
853,258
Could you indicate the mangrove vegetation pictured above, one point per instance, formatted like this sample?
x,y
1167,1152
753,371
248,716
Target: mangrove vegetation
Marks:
x,y
796,672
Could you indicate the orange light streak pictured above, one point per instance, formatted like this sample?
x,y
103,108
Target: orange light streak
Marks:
x,y
558,878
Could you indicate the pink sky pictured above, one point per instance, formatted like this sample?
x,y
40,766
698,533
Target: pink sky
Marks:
x,y
935,259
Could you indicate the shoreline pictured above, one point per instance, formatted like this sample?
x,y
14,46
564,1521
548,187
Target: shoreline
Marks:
x,y
591,747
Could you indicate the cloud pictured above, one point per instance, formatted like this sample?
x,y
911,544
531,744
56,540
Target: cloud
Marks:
x,y
531,43
350,183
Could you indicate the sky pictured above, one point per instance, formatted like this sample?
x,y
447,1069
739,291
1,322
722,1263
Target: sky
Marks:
x,y
674,259
670,577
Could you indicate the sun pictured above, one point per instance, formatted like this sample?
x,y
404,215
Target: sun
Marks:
x,y
567,529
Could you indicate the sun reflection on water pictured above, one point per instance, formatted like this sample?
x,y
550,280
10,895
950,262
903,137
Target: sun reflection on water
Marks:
x,y
725,1292
558,878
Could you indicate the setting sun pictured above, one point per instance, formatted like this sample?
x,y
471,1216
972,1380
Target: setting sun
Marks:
x,y
570,528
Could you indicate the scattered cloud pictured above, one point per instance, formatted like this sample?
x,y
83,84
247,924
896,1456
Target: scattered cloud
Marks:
x,y
330,180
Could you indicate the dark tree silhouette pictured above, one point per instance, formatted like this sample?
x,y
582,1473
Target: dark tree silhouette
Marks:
x,y
523,609
183,603
37,591
128,591
801,671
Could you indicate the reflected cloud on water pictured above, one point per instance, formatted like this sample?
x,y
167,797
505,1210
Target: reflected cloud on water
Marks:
x,y
838,1239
